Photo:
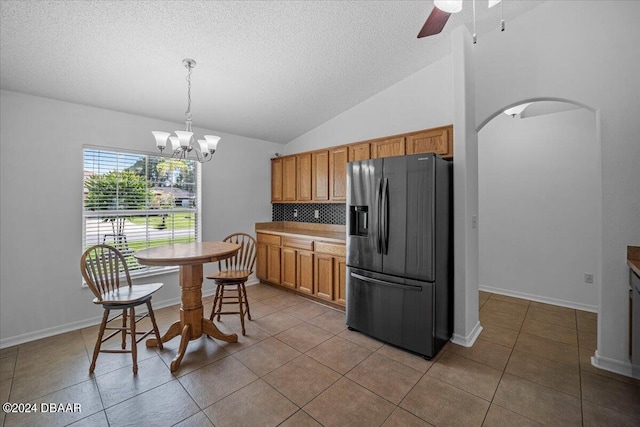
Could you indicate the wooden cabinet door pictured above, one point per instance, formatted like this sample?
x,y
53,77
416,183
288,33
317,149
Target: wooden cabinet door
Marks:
x,y
304,272
276,180
388,148
320,175
303,177
338,174
289,179
359,152
261,261
437,141
323,273
340,280
273,264
288,267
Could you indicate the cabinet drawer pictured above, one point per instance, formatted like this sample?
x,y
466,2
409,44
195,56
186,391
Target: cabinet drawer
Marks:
x,y
269,239
292,242
330,248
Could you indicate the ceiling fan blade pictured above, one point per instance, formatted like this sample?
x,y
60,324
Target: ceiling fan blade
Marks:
x,y
435,23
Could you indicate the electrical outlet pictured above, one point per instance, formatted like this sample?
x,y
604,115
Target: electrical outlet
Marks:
x,y
295,213
316,214
588,278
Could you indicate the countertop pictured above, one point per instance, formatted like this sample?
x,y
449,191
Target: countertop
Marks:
x,y
326,232
633,259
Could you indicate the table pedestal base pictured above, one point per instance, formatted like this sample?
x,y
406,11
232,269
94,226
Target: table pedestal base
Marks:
x,y
191,324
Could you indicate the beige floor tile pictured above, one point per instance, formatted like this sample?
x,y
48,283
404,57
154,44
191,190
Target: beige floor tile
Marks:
x,y
52,343
542,371
276,322
217,380
361,339
499,335
385,377
5,389
258,310
505,307
256,404
339,354
120,385
468,375
587,340
333,321
109,362
414,361
162,406
200,352
301,379
85,394
549,349
485,352
560,318
597,416
618,396
587,324
7,366
501,417
505,320
442,404
549,330
283,301
538,402
401,418
45,356
260,292
346,403
98,419
306,310
483,297
9,352
58,375
266,356
198,420
304,337
554,308
510,299
253,334
300,419
580,314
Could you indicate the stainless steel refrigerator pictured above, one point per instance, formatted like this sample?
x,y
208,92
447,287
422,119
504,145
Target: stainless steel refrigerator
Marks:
x,y
400,251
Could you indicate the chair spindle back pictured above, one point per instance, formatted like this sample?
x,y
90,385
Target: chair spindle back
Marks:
x,y
101,266
245,258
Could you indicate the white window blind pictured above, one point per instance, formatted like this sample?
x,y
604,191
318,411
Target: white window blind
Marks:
x,y
135,201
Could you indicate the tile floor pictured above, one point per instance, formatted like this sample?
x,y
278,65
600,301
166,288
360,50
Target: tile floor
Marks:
x,y
300,366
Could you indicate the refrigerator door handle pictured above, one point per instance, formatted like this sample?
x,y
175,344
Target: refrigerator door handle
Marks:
x,y
378,236
385,283
385,217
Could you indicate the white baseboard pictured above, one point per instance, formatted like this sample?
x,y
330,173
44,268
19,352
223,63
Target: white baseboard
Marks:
x,y
620,367
470,339
537,298
85,323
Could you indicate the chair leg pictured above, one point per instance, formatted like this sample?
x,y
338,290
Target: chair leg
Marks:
x,y
96,349
154,324
246,300
124,328
215,302
239,289
134,347
220,300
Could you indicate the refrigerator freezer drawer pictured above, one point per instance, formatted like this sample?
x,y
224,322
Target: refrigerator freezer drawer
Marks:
x,y
400,312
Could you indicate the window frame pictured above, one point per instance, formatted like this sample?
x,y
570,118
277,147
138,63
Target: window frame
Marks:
x,y
148,271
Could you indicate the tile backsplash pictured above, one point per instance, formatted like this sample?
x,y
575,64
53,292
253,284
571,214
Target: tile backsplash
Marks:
x,y
328,213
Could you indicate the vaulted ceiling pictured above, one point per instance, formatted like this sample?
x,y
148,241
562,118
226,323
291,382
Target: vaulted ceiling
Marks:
x,y
271,70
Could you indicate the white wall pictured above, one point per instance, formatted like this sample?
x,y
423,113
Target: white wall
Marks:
x,y
587,52
539,218
421,101
41,144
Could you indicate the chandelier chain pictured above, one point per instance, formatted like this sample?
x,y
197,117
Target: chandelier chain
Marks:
x,y
188,112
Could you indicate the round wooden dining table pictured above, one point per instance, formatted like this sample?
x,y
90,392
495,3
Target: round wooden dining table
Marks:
x,y
190,257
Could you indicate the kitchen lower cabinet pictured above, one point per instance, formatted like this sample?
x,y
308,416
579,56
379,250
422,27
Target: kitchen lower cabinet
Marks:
x,y
268,258
324,276
288,268
304,271
340,280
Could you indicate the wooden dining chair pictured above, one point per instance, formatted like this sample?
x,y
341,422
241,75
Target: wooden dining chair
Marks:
x,y
103,268
233,273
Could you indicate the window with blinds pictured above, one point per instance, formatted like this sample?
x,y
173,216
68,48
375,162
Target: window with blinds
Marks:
x,y
135,201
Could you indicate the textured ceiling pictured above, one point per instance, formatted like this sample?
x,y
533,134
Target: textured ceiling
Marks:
x,y
271,70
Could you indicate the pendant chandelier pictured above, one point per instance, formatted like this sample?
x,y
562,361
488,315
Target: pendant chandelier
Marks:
x,y
184,144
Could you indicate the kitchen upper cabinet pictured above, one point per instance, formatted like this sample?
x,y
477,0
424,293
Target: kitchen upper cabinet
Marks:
x,y
387,148
320,175
276,180
339,280
359,152
439,141
304,271
303,176
289,179
338,174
